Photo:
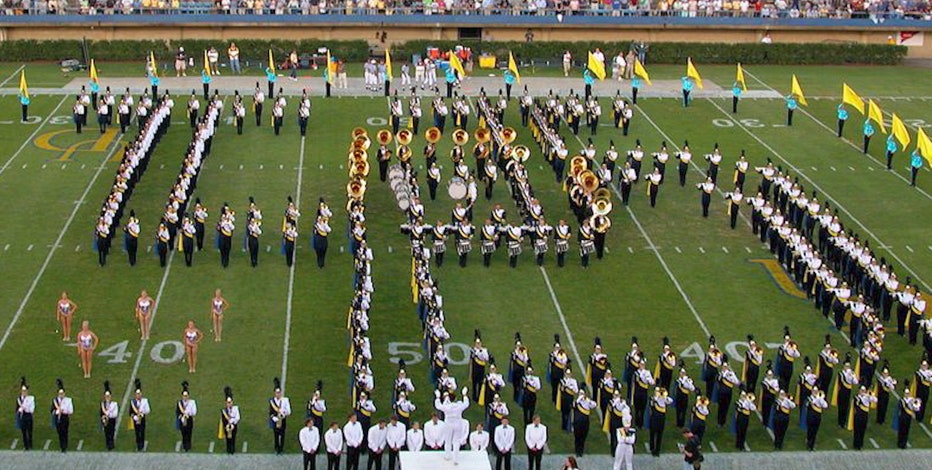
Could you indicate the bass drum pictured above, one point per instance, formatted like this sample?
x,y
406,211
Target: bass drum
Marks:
x,y
456,188
395,172
404,203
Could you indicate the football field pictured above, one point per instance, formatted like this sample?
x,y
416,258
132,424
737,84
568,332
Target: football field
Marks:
x,y
667,271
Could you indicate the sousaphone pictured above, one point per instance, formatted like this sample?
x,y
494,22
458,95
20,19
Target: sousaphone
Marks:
x,y
361,142
509,135
521,153
602,207
460,137
433,134
359,168
482,135
384,137
404,137
588,180
356,188
359,132
577,165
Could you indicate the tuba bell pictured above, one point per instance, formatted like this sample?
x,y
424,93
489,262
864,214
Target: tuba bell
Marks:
x,y
602,206
509,135
602,193
577,165
460,137
522,153
404,137
482,135
588,180
433,134
356,188
361,142
601,223
359,132
384,137
359,168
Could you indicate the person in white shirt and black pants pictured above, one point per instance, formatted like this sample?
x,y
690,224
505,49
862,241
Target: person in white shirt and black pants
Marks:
x,y
309,437
535,436
333,439
376,441
394,440
352,432
504,444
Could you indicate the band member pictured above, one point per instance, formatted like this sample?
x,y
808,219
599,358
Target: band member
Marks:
x,y
478,359
353,433
816,406
734,199
699,416
750,372
109,412
102,241
886,385
863,402
663,371
825,368
239,114
185,411
504,439
770,390
103,114
218,306
395,113
641,384
741,169
566,395
706,189
711,365
229,421
309,438
333,440
685,157
258,98
279,410
636,156
225,233
905,413
868,133
139,409
743,409
319,242
61,410
86,344
489,237
25,410
654,180
783,406
131,237
289,235
64,313
464,233
490,176
528,397
186,241
193,106
841,396
278,116
658,415
715,160
191,337
316,406
586,243
304,113
727,381
684,388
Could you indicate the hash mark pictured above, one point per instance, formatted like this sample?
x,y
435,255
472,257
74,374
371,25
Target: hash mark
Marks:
x,y
908,248
261,167
245,447
874,443
24,166
748,249
842,444
241,167
43,166
221,166
162,166
680,251
851,168
630,250
29,248
48,442
80,445
832,168
177,446
15,441
210,448
713,446
725,250
702,250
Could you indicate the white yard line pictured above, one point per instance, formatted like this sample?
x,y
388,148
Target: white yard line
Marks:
x,y
833,132
566,328
33,136
12,76
288,309
823,192
56,245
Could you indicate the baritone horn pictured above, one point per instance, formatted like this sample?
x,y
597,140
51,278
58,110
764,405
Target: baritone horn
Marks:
x,y
482,135
433,134
404,137
460,137
384,137
522,153
509,135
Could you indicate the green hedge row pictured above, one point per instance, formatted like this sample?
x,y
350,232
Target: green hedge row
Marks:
x,y
354,51
250,49
676,53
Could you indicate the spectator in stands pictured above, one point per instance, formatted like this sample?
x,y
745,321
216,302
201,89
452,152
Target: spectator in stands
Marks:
x,y
766,39
233,55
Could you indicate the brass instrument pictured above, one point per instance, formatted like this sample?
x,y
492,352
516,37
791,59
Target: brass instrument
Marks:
x,y
361,143
359,132
356,155
228,429
356,188
577,165
384,137
360,168
104,419
602,207
588,180
460,137
482,135
433,135
404,137
601,223
184,419
521,153
509,135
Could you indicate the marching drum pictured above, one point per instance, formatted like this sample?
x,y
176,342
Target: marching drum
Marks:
x,y
463,247
457,188
488,247
540,246
586,247
562,246
514,248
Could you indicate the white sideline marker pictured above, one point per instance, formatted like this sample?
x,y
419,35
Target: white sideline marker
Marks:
x,y
246,444
210,448
48,442
680,251
842,444
874,443
177,446
13,446
713,446
725,250
80,445
702,250
909,249
748,249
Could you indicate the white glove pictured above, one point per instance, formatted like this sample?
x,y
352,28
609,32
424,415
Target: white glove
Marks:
x,y
436,393
465,392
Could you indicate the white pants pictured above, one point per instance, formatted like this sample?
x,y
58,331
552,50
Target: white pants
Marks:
x,y
624,457
405,79
431,79
453,439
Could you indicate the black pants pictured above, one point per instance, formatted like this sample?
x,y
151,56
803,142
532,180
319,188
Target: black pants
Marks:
x,y
302,123
199,235
278,437
320,247
686,98
533,459
108,433
139,429
25,111
860,428
271,92
724,402
192,118
503,457
162,248
186,431
734,105
258,109
657,422
231,442
741,430
813,421
225,246
62,427
103,249
393,458
25,425
253,244
289,252
780,422
333,461
683,167
352,458
654,189
310,461
841,126
580,432
902,432
789,117
239,125
706,200
449,89
206,87
187,244
277,125
867,142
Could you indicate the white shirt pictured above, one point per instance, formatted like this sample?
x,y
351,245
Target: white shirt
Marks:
x,y
65,406
535,436
415,440
433,434
353,434
334,440
504,438
26,404
479,440
377,438
395,435
309,438
452,410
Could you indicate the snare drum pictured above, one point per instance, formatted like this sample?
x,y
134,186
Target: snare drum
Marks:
x,y
463,247
514,248
439,247
586,247
396,172
488,246
456,188
540,246
562,246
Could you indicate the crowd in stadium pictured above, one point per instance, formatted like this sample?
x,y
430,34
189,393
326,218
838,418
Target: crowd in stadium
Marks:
x,y
874,9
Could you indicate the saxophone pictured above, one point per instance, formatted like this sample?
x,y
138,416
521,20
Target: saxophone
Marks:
x,y
228,429
104,418
278,423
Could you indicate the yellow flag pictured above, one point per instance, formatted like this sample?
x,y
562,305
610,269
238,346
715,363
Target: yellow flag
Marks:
x,y
153,65
23,88
798,92
271,61
93,70
456,64
739,77
640,71
330,68
513,66
597,68
692,73
900,131
206,63
388,65
848,96
875,114
924,145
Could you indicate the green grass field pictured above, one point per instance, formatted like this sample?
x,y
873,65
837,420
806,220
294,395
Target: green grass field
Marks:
x,y
668,272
